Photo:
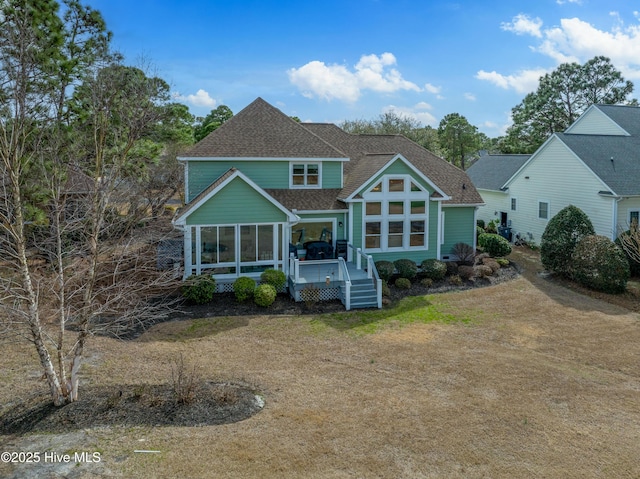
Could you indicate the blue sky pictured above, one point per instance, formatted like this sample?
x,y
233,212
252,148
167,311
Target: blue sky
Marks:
x,y
341,60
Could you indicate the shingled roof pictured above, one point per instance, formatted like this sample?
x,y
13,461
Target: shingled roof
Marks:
x,y
491,172
369,153
262,131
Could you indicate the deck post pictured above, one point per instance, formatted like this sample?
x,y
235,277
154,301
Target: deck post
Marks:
x,y
359,258
369,266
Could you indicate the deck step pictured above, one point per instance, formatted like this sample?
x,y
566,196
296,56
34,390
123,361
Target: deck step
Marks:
x,y
363,294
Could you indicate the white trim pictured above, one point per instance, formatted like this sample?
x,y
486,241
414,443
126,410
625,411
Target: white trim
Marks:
x,y
441,232
539,151
385,198
548,210
237,174
305,163
256,158
387,165
511,200
603,114
350,224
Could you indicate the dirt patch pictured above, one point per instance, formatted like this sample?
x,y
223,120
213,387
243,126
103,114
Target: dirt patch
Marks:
x,y
139,405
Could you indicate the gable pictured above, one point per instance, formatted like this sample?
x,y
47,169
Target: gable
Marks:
x,y
396,166
595,122
233,198
236,202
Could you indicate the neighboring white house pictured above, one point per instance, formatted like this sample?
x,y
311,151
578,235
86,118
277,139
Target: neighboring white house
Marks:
x,y
594,165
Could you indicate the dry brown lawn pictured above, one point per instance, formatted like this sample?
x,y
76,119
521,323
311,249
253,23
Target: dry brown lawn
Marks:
x,y
542,382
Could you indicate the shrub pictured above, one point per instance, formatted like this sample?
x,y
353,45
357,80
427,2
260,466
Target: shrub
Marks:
x,y
495,245
482,270
480,223
479,231
560,237
199,289
491,263
456,280
426,282
265,295
403,283
243,288
452,267
466,272
599,264
492,226
434,269
631,242
464,252
274,277
385,269
406,268
385,289
502,262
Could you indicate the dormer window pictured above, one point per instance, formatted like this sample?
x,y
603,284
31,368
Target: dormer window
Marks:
x,y
305,175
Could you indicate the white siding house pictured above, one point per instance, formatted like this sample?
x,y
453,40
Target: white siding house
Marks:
x,y
594,165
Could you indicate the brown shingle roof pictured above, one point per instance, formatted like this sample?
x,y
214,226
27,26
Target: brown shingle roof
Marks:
x,y
262,131
369,153
308,200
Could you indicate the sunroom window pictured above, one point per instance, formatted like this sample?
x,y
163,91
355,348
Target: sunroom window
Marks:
x,y
396,218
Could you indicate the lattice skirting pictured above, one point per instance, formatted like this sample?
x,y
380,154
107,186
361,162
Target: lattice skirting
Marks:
x,y
228,287
316,294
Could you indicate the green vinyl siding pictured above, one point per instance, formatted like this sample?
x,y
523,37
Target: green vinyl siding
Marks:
x,y
458,228
332,174
271,174
266,174
237,202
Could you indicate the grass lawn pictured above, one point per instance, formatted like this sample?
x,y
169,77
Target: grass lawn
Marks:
x,y
522,379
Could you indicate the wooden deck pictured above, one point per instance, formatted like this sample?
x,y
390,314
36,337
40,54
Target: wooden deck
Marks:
x,y
315,272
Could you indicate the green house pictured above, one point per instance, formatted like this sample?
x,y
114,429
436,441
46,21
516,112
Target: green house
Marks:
x,y
264,191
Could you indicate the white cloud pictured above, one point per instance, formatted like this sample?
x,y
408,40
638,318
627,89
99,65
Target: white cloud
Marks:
x,y
372,72
524,81
574,40
470,96
201,98
524,25
418,112
432,88
577,40
562,2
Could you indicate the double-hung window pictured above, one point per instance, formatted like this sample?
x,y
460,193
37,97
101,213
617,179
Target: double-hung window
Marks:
x,y
543,210
305,175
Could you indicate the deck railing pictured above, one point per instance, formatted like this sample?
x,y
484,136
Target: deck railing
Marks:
x,y
344,276
359,258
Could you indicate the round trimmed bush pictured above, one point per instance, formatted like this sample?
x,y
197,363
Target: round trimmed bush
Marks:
x,y
563,232
403,283
264,295
385,269
456,280
386,292
426,282
599,264
406,268
243,288
466,272
434,269
199,289
494,245
274,277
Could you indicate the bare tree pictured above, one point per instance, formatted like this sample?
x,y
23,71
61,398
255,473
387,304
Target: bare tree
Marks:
x,y
71,258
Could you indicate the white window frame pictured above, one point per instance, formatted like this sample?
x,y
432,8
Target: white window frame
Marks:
x,y
513,203
548,209
385,197
306,165
630,212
